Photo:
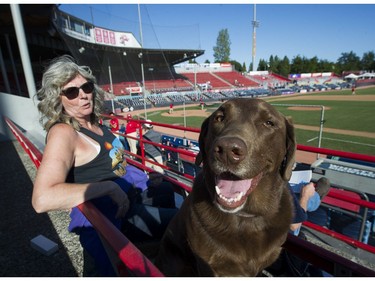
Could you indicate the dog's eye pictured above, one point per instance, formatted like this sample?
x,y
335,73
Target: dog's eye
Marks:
x,y
219,117
269,123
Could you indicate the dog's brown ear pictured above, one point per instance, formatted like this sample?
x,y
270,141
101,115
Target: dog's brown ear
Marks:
x,y
289,160
202,153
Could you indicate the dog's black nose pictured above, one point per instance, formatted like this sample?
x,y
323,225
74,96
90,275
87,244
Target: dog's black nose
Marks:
x,y
230,149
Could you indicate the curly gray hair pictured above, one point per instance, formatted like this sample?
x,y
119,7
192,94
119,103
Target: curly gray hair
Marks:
x,y
61,71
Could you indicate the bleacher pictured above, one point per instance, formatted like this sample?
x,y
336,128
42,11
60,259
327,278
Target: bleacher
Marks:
x,y
157,86
205,77
269,80
237,79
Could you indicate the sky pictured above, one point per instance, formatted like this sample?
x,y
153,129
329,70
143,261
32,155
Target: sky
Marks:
x,y
287,29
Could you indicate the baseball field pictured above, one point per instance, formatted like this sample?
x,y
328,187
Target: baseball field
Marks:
x,y
335,119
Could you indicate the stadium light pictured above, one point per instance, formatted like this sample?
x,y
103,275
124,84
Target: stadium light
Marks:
x,y
255,24
195,72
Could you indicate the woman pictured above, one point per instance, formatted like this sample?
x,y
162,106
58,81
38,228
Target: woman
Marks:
x,y
82,159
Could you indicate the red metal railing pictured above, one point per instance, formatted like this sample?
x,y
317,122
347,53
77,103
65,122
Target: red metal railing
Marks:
x,y
130,259
34,153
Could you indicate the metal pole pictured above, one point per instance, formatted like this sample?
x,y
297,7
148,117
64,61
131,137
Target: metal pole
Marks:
x,y
255,25
4,73
111,85
141,57
21,38
110,77
13,64
321,128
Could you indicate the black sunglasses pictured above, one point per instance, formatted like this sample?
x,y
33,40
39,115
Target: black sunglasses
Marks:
x,y
72,92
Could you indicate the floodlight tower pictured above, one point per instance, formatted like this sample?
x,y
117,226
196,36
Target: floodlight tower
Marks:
x,y
255,24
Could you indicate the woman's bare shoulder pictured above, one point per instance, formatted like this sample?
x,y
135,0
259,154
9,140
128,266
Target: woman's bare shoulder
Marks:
x,y
62,130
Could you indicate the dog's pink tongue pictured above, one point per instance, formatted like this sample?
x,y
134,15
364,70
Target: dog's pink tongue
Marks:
x,y
232,188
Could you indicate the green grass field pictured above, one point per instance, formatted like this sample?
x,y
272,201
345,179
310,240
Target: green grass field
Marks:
x,y
339,114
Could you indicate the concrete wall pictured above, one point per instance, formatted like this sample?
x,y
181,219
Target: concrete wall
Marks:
x,y
23,112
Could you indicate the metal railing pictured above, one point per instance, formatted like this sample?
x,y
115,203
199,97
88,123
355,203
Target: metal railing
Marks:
x,y
130,261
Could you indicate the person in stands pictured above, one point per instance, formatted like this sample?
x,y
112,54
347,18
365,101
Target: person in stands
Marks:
x,y
132,130
152,152
114,123
307,198
83,161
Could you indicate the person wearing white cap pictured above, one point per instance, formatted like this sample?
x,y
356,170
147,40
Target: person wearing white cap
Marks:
x,y
152,152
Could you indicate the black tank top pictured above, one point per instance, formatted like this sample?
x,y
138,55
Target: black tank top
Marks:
x,y
109,164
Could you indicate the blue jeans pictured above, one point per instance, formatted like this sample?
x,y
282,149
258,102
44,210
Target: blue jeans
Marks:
x,y
314,201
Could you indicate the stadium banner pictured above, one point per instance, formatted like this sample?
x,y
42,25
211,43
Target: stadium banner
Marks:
x,y
113,38
294,76
132,90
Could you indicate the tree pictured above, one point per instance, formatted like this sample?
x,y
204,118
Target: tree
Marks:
x,y
284,67
250,66
326,66
368,61
313,64
262,65
274,64
237,65
222,48
349,61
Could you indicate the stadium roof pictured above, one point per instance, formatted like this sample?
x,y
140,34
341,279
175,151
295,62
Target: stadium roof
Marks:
x,y
46,41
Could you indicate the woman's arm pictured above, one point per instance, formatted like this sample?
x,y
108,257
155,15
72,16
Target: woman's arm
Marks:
x,y
51,192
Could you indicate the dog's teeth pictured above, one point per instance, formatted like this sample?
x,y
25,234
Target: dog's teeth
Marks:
x,y
229,200
239,196
217,189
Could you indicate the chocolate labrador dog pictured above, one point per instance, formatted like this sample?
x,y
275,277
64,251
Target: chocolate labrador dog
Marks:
x,y
237,216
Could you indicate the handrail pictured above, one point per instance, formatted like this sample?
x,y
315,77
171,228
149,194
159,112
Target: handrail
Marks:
x,y
130,256
326,151
340,236
326,260
360,202
139,265
34,153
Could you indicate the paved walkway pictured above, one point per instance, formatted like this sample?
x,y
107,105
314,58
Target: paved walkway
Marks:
x,y
19,224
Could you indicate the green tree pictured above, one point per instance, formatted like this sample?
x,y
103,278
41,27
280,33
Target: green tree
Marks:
x,y
284,67
349,61
368,61
237,65
222,48
244,67
326,66
300,65
312,64
274,62
250,66
262,65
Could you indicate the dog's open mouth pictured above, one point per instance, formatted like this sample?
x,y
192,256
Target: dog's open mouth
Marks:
x,y
232,191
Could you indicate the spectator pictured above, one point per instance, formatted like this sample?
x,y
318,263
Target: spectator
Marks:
x,y
84,161
132,129
124,141
288,264
308,199
114,123
152,152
